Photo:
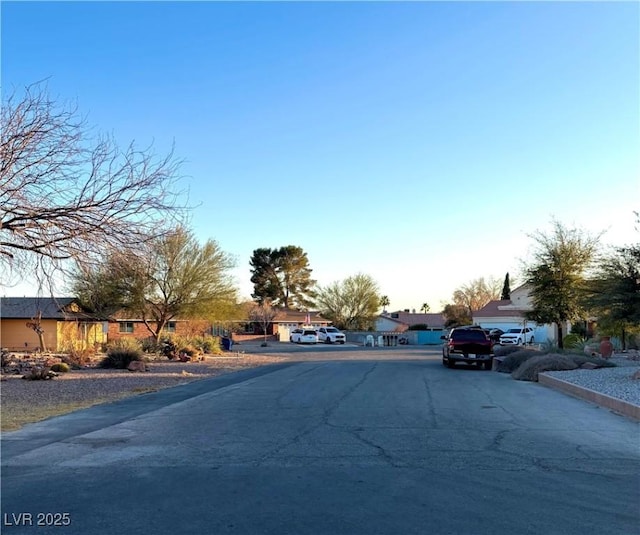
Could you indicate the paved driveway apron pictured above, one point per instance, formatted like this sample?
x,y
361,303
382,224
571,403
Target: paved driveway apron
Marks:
x,y
330,447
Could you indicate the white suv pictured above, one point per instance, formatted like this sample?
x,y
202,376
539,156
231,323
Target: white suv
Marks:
x,y
304,336
330,335
517,337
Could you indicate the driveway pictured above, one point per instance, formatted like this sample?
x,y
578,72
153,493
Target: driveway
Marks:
x,y
376,443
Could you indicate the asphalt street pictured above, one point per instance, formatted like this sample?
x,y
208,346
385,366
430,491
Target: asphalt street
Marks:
x,y
330,442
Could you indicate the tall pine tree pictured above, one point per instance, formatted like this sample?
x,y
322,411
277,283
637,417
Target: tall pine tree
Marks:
x,y
283,277
506,290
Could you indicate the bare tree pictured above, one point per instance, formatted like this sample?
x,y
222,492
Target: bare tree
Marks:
x,y
477,293
67,195
263,314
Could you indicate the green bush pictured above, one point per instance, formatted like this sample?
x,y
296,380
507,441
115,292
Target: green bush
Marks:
x,y
418,327
529,370
62,367
121,353
513,361
207,344
572,340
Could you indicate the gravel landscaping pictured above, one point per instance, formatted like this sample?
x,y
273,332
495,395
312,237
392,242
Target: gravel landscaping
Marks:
x,y
24,402
614,382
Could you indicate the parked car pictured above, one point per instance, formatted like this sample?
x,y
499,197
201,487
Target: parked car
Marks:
x,y
331,335
517,336
304,336
469,345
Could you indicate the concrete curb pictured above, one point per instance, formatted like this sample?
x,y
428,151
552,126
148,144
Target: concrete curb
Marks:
x,y
617,405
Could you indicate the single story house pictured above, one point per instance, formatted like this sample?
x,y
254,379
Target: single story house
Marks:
x,y
124,325
285,321
510,314
401,320
59,321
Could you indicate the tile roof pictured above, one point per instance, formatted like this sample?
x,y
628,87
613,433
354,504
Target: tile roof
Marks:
x,y
28,307
433,319
297,316
497,309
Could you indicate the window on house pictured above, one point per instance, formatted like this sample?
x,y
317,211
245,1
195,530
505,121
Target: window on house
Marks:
x,y
171,327
126,326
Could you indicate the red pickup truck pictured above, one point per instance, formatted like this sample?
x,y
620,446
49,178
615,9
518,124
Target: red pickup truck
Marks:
x,y
467,344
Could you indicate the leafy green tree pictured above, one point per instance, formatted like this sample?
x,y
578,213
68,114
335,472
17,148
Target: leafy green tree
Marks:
x,y
613,293
172,277
506,289
351,304
556,276
283,277
456,315
477,293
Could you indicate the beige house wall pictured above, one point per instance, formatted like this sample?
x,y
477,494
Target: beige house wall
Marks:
x,y
16,336
58,335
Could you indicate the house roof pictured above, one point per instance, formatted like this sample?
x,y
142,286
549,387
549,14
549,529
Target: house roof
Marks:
x,y
28,307
498,309
433,319
286,315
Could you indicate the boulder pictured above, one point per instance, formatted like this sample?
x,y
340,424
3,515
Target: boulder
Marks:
x,y
589,366
137,366
636,375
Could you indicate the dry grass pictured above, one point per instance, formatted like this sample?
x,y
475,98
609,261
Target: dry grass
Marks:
x,y
23,402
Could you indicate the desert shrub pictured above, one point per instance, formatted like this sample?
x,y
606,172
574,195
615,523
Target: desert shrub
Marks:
x,y
39,373
572,340
188,350
550,346
149,345
207,344
503,351
530,368
78,358
121,353
513,361
61,367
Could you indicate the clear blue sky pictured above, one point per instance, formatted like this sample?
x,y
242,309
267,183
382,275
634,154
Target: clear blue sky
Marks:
x,y
419,143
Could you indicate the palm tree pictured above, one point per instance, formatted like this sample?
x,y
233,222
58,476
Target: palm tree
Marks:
x,y
425,307
384,302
